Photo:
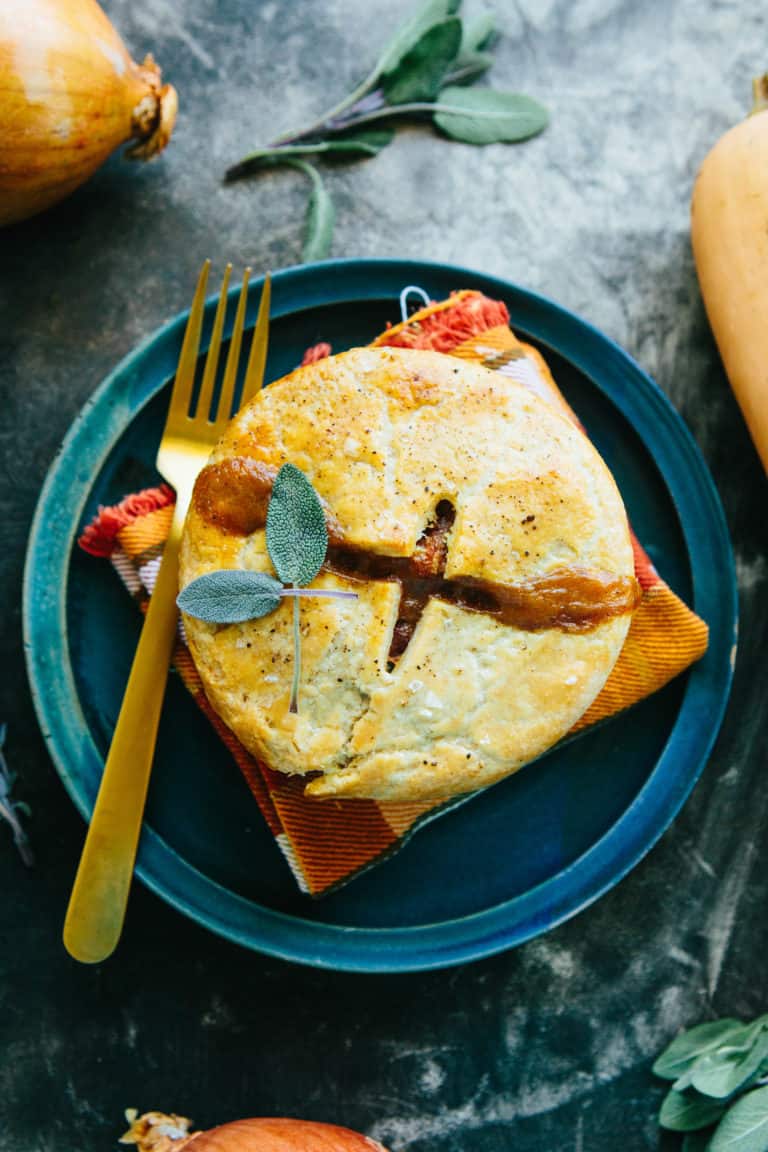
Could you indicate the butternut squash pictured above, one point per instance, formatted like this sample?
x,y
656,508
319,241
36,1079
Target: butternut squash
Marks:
x,y
729,231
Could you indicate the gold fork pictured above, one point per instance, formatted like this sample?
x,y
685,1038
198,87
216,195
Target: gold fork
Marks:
x,y
97,905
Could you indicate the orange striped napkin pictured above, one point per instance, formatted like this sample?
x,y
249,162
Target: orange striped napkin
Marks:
x,y
327,842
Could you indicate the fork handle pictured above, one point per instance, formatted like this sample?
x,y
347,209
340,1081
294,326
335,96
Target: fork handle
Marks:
x,y
97,905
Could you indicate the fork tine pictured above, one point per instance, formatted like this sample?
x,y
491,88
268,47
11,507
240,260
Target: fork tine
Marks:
x,y
254,373
230,372
212,359
185,372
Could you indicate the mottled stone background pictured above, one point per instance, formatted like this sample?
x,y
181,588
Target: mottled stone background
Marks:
x,y
547,1047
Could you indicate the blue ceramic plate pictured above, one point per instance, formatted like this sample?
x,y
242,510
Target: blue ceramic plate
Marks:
x,y
512,862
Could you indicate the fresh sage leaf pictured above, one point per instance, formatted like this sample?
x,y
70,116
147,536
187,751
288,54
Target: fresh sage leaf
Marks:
x,y
320,219
485,116
297,542
369,143
297,538
683,1082
721,1073
432,12
686,1112
744,1128
422,70
351,107
467,68
478,34
353,144
713,1073
230,597
686,1048
318,228
472,60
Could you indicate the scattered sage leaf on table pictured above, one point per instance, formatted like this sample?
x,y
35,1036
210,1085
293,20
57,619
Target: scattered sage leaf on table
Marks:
x,y
318,228
683,1082
320,217
469,67
720,1074
369,142
686,1048
744,1128
718,1067
685,1112
485,116
472,61
354,144
422,71
429,14
478,35
230,597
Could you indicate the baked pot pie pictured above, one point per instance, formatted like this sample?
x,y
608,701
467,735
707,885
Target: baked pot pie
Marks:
x,y
490,551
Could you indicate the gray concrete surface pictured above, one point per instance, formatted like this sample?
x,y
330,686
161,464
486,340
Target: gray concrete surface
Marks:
x,y
546,1047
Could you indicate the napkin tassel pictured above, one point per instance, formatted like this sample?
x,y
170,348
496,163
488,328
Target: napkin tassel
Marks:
x,y
99,538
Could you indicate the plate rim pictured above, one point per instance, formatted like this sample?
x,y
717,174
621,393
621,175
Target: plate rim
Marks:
x,y
483,933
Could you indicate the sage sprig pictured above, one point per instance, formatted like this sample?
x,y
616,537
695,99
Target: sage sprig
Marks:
x,y
320,214
297,543
421,73
719,1095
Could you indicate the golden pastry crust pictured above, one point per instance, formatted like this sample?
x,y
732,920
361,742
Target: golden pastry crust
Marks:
x,y
385,435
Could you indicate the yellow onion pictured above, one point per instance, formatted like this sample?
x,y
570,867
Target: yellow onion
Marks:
x,y
158,1132
69,95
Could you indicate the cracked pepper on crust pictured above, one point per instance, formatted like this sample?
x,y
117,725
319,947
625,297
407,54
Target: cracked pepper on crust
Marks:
x,y
385,436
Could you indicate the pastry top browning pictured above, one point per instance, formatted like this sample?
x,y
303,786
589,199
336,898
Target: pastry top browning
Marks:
x,y
491,513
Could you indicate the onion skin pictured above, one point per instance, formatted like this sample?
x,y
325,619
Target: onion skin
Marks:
x,y
160,1132
280,1136
69,96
